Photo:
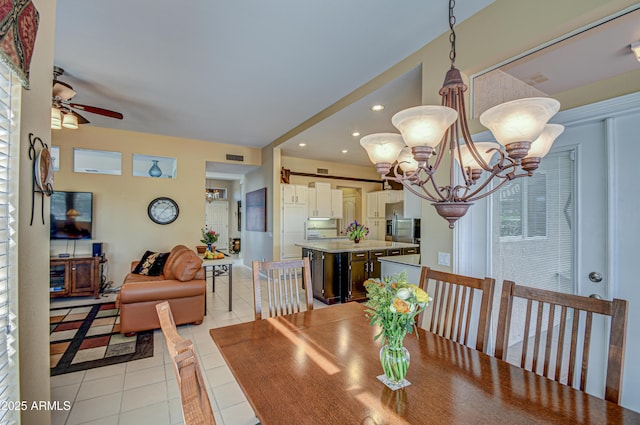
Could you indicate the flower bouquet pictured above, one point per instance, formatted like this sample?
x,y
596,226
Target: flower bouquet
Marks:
x,y
209,237
394,304
356,231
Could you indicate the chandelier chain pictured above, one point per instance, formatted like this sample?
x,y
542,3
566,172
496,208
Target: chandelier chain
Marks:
x,y
452,34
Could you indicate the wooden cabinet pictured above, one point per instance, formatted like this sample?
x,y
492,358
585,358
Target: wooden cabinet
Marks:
x,y
294,194
327,271
73,277
407,251
362,266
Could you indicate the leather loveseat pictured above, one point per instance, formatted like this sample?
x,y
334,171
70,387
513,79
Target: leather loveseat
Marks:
x,y
182,283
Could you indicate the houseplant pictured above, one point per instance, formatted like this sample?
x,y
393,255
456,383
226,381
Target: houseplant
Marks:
x,y
393,305
356,231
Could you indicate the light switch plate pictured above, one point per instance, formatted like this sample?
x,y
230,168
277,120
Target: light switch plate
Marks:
x,y
444,259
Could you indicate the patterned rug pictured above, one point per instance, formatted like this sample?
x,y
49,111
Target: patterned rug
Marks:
x,y
87,336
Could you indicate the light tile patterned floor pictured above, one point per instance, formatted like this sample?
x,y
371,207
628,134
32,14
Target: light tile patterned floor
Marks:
x,y
145,391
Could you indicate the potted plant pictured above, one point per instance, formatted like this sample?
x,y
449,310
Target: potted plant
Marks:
x,y
356,231
209,237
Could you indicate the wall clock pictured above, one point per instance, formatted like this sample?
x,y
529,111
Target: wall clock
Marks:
x,y
163,210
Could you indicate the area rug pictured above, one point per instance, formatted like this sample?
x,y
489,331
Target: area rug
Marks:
x,y
86,337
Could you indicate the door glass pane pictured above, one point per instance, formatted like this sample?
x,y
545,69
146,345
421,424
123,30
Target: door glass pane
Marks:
x,y
533,233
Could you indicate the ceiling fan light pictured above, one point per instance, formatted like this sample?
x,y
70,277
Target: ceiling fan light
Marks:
x,y
382,148
56,125
56,116
483,148
520,120
541,146
70,121
424,125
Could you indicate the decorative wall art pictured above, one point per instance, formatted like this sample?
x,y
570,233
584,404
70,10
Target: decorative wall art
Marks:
x,y
257,210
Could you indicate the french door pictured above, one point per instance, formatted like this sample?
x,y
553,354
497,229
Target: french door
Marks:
x,y
550,231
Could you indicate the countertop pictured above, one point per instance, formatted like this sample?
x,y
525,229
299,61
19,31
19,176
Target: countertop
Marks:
x,y
345,245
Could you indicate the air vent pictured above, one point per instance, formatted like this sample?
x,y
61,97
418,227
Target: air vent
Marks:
x,y
322,171
239,158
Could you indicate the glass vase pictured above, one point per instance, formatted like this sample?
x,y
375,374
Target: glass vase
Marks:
x,y
356,240
210,247
395,361
155,170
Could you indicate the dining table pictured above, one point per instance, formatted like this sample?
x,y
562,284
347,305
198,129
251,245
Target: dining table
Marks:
x,y
321,367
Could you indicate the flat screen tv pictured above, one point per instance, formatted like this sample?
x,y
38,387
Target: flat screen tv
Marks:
x,y
71,215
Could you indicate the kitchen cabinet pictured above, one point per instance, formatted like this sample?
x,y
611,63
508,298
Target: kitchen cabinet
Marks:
x,y
294,194
407,251
327,270
336,203
73,277
376,202
377,229
324,202
363,265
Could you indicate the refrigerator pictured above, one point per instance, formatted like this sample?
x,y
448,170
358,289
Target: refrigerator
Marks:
x,y
398,228
293,230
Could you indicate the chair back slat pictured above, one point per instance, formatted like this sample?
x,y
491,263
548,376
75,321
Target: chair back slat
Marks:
x,y
196,407
453,299
283,286
577,310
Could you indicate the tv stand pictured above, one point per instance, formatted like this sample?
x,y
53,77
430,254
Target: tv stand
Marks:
x,y
75,276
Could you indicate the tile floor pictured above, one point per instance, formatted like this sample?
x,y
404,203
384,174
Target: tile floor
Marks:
x,y
145,391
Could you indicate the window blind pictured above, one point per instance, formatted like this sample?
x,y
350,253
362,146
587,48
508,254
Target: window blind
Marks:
x,y
10,94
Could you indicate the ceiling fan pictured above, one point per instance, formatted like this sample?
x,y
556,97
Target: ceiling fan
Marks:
x,y
63,112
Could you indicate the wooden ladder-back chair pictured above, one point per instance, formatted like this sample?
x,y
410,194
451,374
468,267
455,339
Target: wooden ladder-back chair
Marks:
x,y
574,310
283,293
196,407
452,306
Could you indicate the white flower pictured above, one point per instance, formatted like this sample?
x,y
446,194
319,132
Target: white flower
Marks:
x,y
403,293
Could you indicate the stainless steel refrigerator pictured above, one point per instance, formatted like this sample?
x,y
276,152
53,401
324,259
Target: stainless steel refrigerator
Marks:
x,y
398,228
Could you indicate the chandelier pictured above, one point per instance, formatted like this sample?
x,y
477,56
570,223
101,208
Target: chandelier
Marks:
x,y
427,132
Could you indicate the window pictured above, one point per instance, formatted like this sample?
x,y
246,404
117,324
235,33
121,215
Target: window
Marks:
x,y
97,162
10,93
523,207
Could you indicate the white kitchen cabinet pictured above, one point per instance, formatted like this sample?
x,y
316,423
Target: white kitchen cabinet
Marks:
x,y
376,229
293,224
376,202
319,200
293,194
336,203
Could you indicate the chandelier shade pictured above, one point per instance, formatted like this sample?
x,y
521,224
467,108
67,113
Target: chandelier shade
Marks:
x,y
56,116
541,146
424,125
438,136
520,120
383,149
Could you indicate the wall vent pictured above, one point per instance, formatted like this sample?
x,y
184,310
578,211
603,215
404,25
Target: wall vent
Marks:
x,y
322,171
235,157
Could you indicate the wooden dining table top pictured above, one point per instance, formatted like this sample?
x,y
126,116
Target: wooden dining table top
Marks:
x,y
320,367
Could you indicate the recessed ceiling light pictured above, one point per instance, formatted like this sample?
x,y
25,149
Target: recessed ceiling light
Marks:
x,y
344,151
355,133
302,145
377,108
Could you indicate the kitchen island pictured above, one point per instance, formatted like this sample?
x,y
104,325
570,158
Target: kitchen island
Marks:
x,y
339,267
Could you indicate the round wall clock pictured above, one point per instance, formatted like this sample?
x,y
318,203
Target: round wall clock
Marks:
x,y
163,210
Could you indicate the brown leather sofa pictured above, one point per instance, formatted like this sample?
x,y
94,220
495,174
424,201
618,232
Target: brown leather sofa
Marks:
x,y
182,283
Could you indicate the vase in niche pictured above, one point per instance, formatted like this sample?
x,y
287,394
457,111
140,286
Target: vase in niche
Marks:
x,y
395,359
155,170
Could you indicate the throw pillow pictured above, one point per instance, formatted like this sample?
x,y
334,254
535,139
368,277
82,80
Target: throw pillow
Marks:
x,y
151,263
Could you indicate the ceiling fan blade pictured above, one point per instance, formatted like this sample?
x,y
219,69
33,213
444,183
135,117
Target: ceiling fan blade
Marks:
x,y
81,119
62,90
96,110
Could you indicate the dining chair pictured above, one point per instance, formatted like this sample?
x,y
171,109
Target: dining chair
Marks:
x,y
576,317
453,306
196,407
283,286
